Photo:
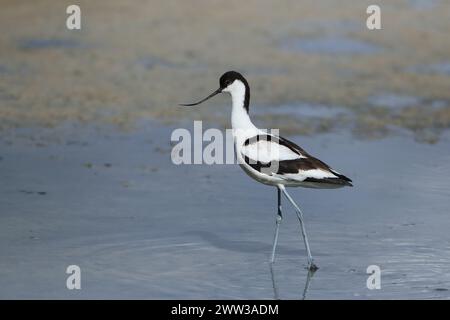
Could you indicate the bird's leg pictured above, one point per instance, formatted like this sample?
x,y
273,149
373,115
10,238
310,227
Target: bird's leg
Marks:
x,y
278,221
274,283
311,265
307,283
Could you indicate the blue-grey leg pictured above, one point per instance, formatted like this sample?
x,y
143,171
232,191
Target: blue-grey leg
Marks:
x,y
277,227
307,283
274,283
311,265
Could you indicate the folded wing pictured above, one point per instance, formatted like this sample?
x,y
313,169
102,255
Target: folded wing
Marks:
x,y
279,157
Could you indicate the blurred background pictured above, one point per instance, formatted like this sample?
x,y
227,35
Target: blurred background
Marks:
x,y
85,123
313,65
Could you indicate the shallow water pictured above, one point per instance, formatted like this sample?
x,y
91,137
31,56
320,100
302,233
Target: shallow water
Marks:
x,y
141,227
33,44
424,4
337,45
441,68
303,109
392,100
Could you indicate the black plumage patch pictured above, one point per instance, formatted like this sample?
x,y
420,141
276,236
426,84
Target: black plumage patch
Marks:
x,y
280,140
229,77
336,181
304,163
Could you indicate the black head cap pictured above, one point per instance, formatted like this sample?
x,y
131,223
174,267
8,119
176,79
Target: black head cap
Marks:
x,y
229,77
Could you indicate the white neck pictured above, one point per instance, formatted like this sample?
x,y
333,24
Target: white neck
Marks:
x,y
239,116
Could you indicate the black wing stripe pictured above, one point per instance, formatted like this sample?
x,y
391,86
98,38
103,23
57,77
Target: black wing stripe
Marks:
x,y
281,141
336,181
307,163
292,166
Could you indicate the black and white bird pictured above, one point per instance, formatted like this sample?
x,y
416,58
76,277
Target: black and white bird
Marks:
x,y
271,159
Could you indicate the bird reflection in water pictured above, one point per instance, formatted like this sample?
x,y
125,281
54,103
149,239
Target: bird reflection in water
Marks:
x,y
309,275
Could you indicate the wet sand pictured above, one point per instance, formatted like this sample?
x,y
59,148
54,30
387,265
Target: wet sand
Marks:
x,y
140,58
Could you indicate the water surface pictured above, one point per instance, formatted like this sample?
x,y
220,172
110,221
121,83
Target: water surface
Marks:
x,y
141,227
